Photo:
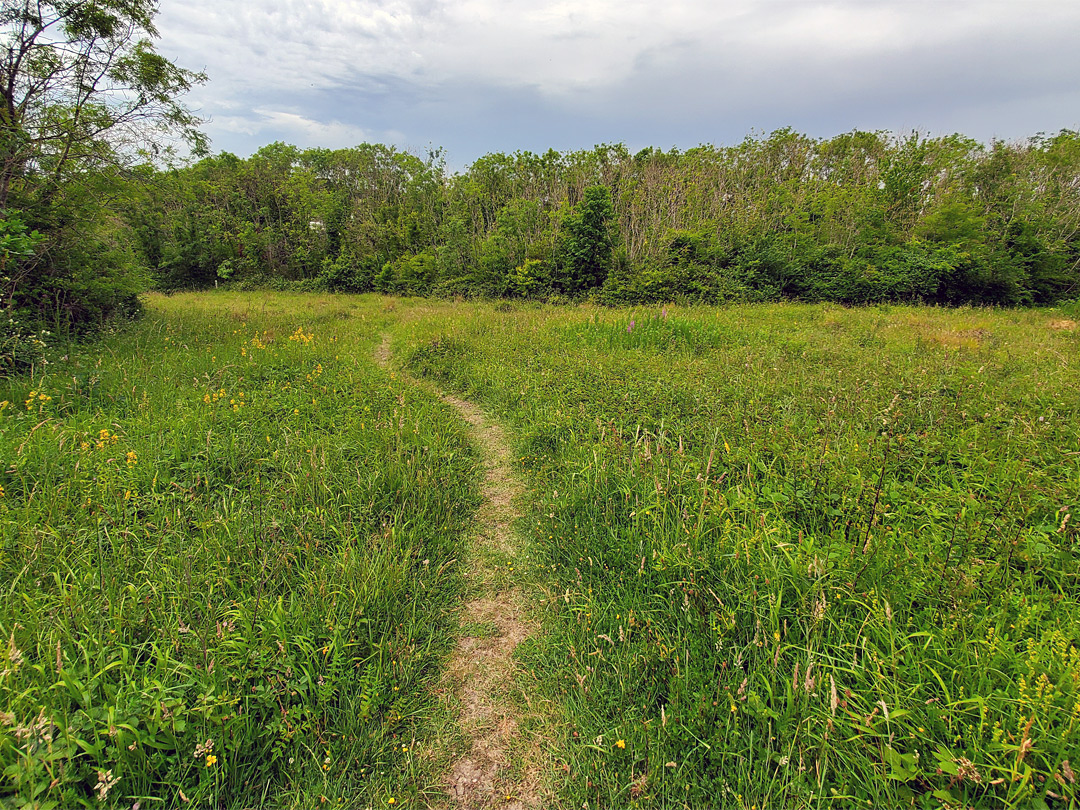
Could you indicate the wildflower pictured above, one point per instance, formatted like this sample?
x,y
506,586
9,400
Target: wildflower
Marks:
x,y
620,743
300,337
211,760
391,800
132,458
1,490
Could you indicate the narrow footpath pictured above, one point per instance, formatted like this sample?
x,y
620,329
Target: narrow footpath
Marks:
x,y
493,772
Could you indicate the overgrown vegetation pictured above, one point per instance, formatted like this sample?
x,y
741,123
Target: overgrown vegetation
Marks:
x,y
795,556
84,98
786,555
227,567
859,218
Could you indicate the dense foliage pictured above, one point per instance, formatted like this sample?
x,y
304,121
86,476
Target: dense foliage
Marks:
x,y
862,217
84,98
859,218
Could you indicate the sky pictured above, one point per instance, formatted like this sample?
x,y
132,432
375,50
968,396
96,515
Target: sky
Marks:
x,y
480,76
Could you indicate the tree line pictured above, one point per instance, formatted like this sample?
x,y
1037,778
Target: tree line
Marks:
x,y
96,206
859,218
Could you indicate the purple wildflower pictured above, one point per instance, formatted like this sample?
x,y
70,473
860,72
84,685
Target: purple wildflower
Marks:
x,y
630,327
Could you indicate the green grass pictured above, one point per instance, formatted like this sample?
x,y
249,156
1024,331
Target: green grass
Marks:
x,y
796,556
227,525
787,556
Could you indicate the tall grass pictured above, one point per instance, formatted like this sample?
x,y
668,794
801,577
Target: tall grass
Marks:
x,y
790,556
795,556
227,573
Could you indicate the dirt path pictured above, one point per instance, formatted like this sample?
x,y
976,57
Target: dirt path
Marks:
x,y
481,670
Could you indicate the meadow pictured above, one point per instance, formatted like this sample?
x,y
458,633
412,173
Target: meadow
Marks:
x,y
795,556
781,555
228,563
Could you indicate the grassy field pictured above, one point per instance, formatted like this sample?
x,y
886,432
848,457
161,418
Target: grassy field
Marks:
x,y
783,556
227,565
795,555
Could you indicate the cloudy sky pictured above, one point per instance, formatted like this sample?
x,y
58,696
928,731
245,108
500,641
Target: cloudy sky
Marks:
x,y
476,76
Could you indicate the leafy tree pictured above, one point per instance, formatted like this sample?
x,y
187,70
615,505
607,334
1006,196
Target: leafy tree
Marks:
x,y
80,83
83,96
587,242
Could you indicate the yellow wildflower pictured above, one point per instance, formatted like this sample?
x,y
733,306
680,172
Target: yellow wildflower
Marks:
x,y
132,458
620,743
211,760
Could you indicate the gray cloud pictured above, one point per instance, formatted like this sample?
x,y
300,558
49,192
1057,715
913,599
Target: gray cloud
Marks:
x,y
481,75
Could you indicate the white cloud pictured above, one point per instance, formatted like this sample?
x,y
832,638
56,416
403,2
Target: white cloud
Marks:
x,y
269,125
306,132
274,65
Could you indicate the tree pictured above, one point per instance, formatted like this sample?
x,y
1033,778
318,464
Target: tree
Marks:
x,y
587,241
83,94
